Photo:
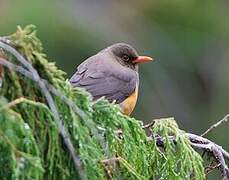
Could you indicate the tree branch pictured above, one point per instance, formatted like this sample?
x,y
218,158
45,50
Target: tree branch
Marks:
x,y
31,72
197,142
225,119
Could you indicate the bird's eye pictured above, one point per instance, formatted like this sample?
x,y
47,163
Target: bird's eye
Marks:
x,y
125,58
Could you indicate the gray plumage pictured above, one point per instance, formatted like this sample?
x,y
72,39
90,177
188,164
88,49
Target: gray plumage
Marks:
x,y
107,74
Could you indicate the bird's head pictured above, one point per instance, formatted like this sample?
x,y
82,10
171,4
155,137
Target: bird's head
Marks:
x,y
127,55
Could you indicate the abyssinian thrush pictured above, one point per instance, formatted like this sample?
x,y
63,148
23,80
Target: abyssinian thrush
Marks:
x,y
112,73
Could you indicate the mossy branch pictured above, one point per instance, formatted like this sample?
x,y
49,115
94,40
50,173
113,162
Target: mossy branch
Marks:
x,y
33,74
37,105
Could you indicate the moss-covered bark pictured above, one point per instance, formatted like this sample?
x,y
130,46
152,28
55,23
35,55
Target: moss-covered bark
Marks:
x,y
31,147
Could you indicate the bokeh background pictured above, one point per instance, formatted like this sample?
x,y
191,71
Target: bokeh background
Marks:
x,y
189,39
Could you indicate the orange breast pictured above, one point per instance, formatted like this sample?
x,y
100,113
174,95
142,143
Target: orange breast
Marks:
x,y
127,106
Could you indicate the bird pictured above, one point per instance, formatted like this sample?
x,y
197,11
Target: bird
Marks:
x,y
112,73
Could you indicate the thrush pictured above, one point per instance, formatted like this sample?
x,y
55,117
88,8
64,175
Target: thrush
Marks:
x,y
112,73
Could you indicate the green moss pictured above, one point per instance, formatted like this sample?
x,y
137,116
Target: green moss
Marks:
x,y
31,148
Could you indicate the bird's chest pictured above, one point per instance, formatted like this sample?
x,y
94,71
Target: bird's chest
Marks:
x,y
127,106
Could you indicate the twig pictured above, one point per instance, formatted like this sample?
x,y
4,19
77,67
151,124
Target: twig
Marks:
x,y
2,54
225,119
217,154
210,168
58,93
12,103
111,160
217,151
6,41
203,144
125,164
16,68
108,171
220,159
107,164
52,106
147,126
50,87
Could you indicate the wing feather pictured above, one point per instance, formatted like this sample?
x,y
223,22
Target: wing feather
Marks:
x,y
100,84
108,79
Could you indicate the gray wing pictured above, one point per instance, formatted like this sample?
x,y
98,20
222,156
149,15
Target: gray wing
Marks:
x,y
99,84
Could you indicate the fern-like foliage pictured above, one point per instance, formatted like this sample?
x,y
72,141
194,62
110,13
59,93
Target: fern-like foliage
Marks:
x,y
109,144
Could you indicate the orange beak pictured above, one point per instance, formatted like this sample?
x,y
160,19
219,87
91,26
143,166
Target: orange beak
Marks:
x,y
142,59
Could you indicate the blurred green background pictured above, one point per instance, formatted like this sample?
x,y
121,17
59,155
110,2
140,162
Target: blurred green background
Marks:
x,y
188,38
